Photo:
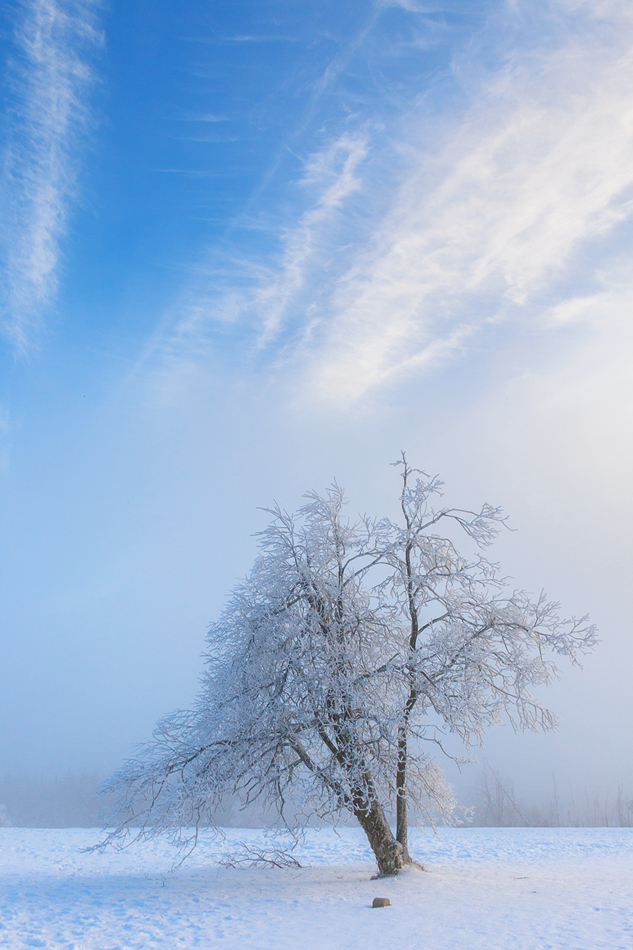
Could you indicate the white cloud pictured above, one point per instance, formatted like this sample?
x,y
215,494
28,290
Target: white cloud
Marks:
x,y
50,77
337,169
275,298
409,250
541,165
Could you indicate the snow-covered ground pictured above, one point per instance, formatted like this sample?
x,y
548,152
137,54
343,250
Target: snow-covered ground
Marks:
x,y
498,889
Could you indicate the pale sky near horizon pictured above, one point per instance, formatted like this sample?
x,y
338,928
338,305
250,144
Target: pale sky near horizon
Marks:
x,y
249,247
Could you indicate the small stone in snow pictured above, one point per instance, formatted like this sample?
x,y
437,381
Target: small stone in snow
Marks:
x,y
381,902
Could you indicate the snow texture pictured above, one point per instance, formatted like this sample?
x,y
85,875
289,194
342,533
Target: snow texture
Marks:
x,y
498,889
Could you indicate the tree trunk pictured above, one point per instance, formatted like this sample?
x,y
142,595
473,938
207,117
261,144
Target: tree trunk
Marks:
x,y
389,852
402,822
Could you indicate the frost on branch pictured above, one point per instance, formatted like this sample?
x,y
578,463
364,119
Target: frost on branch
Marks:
x,y
337,667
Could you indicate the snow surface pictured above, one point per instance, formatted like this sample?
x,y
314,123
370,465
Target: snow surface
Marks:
x,y
498,889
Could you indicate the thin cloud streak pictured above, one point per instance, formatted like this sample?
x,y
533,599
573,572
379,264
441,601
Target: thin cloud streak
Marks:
x,y
339,164
511,211
270,304
542,165
50,81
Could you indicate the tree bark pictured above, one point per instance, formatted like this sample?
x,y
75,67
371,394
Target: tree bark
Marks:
x,y
402,822
389,853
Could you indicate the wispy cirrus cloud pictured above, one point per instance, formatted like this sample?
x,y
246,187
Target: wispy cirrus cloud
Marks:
x,y
49,78
337,170
540,167
512,214
275,301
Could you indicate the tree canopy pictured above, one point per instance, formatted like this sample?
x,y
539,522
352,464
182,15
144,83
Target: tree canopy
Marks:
x,y
341,663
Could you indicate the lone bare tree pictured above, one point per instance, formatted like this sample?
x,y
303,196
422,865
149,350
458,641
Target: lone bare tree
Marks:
x,y
349,652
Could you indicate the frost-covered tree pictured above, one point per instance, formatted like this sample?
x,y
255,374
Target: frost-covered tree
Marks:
x,y
341,663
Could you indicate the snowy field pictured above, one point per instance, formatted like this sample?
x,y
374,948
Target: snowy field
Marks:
x,y
498,889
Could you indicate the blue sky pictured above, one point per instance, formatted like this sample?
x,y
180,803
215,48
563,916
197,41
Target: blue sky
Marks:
x,y
251,246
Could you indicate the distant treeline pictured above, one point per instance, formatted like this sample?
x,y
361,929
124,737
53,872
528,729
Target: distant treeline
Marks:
x,y
73,801
498,806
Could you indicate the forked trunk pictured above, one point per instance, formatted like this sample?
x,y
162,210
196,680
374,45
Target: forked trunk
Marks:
x,y
390,855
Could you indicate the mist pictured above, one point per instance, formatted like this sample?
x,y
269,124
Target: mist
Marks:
x,y
427,251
